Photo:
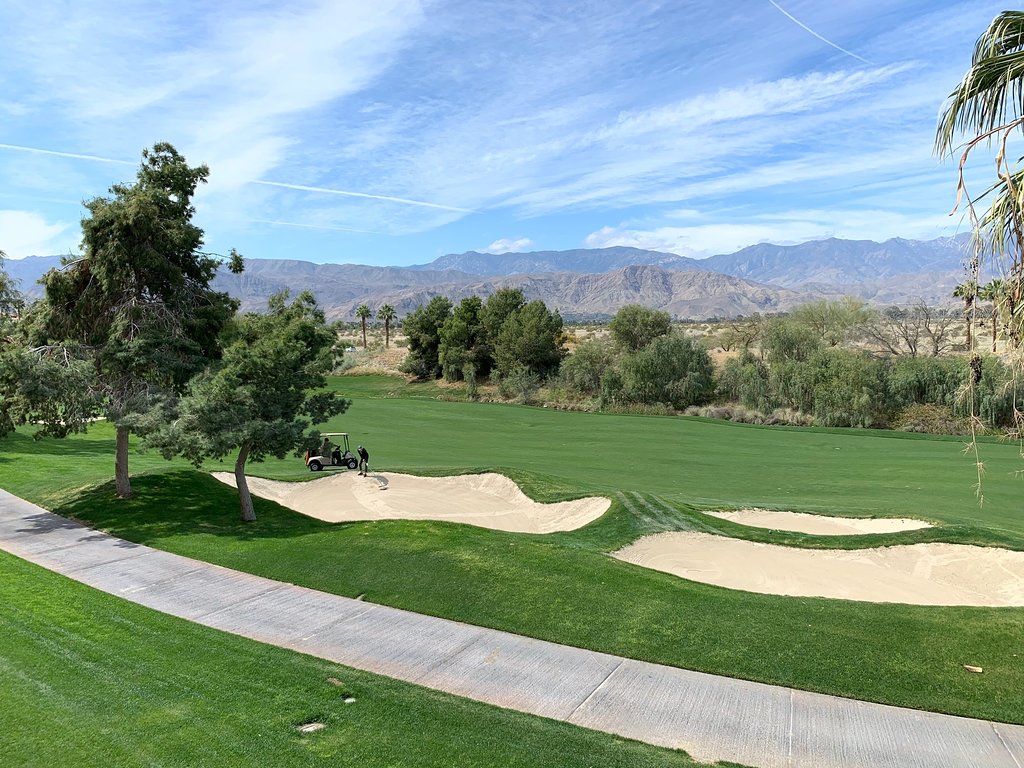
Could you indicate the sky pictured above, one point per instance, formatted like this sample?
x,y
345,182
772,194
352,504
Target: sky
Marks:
x,y
395,131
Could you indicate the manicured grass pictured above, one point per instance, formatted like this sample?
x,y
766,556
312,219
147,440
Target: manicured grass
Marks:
x,y
563,587
556,454
566,590
88,679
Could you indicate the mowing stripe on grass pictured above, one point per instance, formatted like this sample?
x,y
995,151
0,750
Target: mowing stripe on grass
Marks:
x,y
655,515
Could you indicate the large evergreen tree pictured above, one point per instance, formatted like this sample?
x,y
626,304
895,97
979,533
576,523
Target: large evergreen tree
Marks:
x,y
463,341
530,337
138,304
263,395
422,327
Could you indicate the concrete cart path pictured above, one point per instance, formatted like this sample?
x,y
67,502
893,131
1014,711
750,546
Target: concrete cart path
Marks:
x,y
711,717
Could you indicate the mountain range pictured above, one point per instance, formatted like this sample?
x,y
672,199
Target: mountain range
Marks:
x,y
595,282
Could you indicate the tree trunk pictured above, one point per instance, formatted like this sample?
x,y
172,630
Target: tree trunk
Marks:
x,y
993,331
364,332
244,497
121,479
387,333
967,318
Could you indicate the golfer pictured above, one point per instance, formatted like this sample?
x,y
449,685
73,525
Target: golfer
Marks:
x,y
364,461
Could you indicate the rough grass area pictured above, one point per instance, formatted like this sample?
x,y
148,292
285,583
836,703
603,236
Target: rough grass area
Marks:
x,y
88,679
563,587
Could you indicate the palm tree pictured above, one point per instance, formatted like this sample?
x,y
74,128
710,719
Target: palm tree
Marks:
x,y
363,313
988,107
993,291
967,291
386,313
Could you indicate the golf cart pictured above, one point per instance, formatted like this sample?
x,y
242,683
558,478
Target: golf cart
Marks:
x,y
340,456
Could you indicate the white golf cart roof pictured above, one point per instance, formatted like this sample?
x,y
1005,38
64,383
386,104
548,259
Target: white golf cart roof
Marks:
x,y
334,434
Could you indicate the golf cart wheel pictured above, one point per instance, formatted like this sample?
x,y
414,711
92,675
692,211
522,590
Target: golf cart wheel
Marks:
x,y
315,466
352,463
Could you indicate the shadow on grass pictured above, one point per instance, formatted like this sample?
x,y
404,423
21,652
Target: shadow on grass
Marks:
x,y
182,503
17,446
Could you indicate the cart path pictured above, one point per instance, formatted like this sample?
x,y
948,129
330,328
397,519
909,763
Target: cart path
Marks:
x,y
711,717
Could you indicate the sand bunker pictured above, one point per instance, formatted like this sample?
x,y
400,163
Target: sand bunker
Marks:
x,y
920,574
488,500
821,525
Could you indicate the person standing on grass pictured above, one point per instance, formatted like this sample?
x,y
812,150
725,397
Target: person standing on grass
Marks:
x,y
364,461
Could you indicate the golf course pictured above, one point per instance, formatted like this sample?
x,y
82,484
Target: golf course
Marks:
x,y
659,473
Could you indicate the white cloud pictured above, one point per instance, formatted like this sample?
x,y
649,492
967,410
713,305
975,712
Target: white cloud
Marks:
x,y
785,227
507,245
23,233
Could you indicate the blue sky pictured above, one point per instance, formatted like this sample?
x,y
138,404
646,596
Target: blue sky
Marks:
x,y
395,131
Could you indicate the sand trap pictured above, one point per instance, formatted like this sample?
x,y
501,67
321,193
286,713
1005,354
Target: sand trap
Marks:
x,y
920,574
489,501
821,525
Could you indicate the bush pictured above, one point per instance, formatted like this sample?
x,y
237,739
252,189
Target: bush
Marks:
x,y
635,326
672,369
350,361
582,370
743,415
931,419
519,384
469,376
745,379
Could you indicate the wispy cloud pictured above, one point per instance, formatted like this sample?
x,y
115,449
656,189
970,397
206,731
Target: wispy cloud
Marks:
x,y
785,227
455,120
25,233
325,227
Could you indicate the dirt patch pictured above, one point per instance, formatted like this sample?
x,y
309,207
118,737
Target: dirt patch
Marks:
x,y
820,525
918,574
488,500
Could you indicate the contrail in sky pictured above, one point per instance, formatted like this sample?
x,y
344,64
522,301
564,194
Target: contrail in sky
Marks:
x,y
300,187
74,156
825,40
364,195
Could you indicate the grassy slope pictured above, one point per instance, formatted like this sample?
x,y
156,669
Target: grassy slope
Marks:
x,y
88,679
564,588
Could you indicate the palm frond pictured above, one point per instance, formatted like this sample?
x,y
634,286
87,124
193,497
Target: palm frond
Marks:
x,y
991,94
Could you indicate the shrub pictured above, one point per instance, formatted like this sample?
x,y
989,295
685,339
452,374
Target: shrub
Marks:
x,y
583,369
929,418
519,384
635,326
745,379
672,369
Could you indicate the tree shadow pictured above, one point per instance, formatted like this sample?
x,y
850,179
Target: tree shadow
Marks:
x,y
179,504
17,446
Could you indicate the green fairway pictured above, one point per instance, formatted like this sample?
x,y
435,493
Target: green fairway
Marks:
x,y
557,454
88,679
563,587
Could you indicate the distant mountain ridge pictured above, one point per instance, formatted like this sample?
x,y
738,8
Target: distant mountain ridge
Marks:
x,y
577,260
842,262
594,282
